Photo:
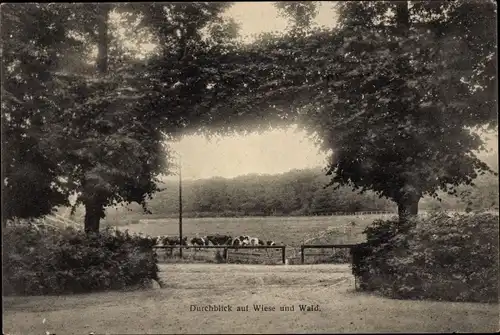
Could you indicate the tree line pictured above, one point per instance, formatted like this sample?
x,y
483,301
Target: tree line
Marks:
x,y
298,192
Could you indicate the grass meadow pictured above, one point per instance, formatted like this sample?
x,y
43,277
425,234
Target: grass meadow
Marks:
x,y
289,231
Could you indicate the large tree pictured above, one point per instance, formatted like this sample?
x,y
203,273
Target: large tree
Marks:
x,y
70,128
124,116
33,40
104,130
396,92
112,152
421,78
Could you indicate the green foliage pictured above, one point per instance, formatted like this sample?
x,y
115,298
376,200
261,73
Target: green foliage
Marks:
x,y
483,195
66,130
112,152
181,81
374,91
410,106
123,119
439,257
48,261
33,37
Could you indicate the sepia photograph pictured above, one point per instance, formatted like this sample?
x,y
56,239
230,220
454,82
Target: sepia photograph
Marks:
x,y
249,167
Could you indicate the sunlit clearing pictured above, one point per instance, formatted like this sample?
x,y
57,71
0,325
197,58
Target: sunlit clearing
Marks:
x,y
272,152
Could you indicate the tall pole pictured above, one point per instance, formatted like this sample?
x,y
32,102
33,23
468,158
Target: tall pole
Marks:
x,y
180,207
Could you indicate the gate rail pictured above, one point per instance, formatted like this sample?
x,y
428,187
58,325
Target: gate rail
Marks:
x,y
323,246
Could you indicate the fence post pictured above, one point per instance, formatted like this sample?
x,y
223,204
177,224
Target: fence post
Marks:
x,y
283,254
302,254
225,254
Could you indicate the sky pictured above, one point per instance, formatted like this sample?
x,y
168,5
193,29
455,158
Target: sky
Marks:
x,y
258,17
273,152
269,153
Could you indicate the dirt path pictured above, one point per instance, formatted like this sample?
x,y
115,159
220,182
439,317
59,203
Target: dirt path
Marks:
x,y
168,310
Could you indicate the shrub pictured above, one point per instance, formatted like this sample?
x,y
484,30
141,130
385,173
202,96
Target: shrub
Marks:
x,y
438,257
368,258
37,262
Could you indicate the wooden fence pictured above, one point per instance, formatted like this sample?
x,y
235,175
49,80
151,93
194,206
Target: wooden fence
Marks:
x,y
226,248
323,246
352,213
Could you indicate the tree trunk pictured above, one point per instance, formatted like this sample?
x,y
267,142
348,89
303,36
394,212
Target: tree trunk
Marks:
x,y
408,207
102,36
408,200
94,211
94,207
403,17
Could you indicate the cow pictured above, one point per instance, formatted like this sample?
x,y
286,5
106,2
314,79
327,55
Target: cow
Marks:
x,y
160,239
172,241
245,239
239,241
220,239
254,241
262,242
269,243
207,240
196,241
236,241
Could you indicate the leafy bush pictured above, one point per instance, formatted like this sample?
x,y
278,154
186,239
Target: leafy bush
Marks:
x,y
51,261
439,257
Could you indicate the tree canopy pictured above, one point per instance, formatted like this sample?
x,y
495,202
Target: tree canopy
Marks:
x,y
98,131
421,77
33,39
395,91
66,128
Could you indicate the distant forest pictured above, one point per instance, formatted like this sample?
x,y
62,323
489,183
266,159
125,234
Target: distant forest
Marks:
x,y
298,192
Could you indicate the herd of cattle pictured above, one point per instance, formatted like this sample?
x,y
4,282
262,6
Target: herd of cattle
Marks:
x,y
217,239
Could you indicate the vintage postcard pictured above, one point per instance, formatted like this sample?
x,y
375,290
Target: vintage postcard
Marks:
x,y
250,167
